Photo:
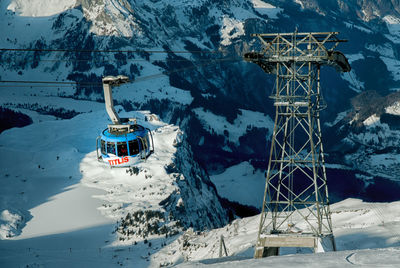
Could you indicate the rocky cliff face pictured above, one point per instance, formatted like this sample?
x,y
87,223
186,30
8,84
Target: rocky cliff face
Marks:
x,y
364,10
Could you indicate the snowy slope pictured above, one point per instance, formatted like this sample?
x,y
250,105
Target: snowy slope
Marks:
x,y
61,208
213,94
58,192
241,183
362,258
357,225
40,8
245,121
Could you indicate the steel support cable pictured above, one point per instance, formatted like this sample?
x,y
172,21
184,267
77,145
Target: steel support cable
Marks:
x,y
378,212
354,81
110,51
134,60
140,79
291,92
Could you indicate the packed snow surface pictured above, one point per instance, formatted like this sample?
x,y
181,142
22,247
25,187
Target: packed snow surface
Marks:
x,y
40,8
246,120
59,206
372,120
241,183
365,234
266,9
393,25
393,109
231,28
389,257
9,224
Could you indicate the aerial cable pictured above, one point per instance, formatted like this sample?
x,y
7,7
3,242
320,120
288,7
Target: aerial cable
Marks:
x,y
355,82
379,213
135,60
110,51
139,79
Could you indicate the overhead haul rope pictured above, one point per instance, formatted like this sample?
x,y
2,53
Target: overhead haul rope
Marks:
x,y
84,60
110,51
378,211
355,81
140,79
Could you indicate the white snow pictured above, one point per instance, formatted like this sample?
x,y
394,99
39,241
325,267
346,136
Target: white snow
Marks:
x,y
19,31
354,57
9,224
393,25
388,57
241,183
351,26
246,120
361,258
393,109
385,50
338,118
354,83
48,183
59,205
393,66
124,192
150,89
385,160
357,225
231,28
40,8
74,209
266,9
300,3
351,77
123,21
372,120
391,20
377,136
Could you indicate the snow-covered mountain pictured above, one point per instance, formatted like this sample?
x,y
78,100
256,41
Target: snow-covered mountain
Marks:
x,y
52,183
358,225
199,81
185,61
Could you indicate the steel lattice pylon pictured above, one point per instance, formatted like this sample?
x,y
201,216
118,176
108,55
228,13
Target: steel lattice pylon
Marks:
x,y
295,210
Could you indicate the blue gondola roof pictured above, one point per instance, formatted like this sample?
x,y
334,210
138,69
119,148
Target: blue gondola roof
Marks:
x,y
113,137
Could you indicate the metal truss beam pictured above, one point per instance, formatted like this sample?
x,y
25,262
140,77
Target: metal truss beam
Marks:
x,y
296,192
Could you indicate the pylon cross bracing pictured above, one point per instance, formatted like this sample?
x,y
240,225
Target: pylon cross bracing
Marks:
x,y
295,210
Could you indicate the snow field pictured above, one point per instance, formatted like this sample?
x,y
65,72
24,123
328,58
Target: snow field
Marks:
x,y
241,124
241,183
40,8
357,225
266,9
59,197
64,204
363,258
393,25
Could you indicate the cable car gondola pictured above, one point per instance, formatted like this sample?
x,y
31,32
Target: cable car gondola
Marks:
x,y
124,142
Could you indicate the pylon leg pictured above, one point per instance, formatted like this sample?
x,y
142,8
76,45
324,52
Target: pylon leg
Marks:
x,y
325,244
262,252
